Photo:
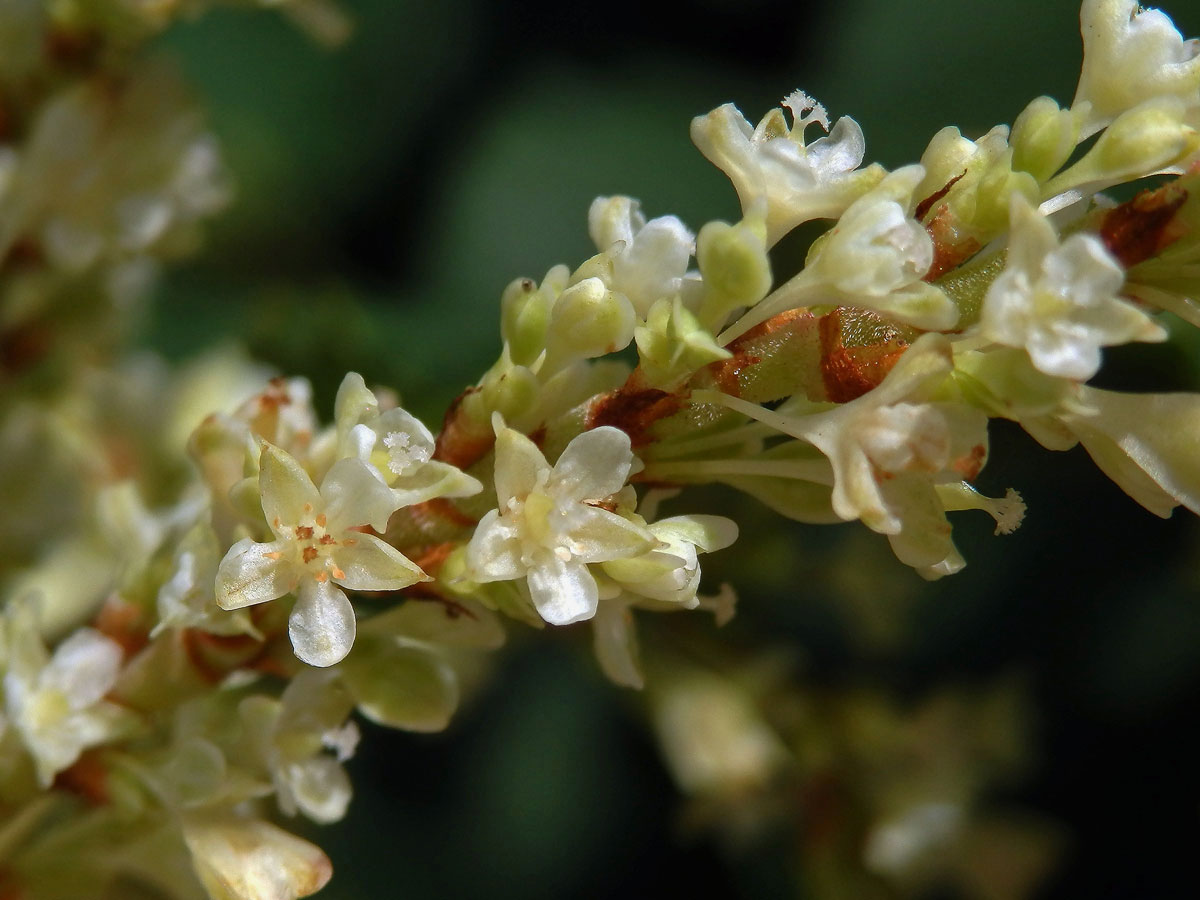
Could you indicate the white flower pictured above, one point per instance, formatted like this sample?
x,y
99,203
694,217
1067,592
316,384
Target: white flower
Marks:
x,y
772,166
1059,301
890,448
397,445
550,522
875,258
1131,54
649,259
290,736
665,578
317,545
56,703
185,599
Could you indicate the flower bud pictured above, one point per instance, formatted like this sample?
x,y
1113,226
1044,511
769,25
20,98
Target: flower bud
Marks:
x,y
1147,139
588,320
507,388
673,344
994,192
733,262
524,315
1042,138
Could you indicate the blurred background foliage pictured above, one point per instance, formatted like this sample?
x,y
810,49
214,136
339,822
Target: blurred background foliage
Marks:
x,y
389,189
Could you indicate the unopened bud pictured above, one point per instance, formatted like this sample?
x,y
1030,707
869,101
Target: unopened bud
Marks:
x,y
1043,137
524,314
733,262
588,320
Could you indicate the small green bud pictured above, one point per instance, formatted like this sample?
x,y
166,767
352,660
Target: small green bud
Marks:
x,y
733,262
1043,137
994,192
507,388
524,315
588,320
673,344
1146,139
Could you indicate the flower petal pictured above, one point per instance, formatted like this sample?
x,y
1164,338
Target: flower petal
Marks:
x,y
371,564
83,668
597,535
288,494
433,479
614,641
494,553
320,787
354,494
322,624
252,573
594,465
518,464
355,403
563,592
401,686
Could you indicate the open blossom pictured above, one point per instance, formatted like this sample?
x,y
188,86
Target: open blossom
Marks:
x,y
56,702
290,736
1131,54
875,257
664,578
551,523
318,545
771,166
889,450
649,259
397,444
1060,302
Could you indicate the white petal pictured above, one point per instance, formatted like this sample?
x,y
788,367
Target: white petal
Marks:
x,y
708,533
594,465
563,592
614,641
371,564
494,553
249,574
355,403
84,667
288,494
320,787
322,624
353,494
518,464
433,479
597,535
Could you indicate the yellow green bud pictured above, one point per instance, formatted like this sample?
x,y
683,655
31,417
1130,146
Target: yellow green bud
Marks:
x,y
673,344
994,192
733,262
524,316
1146,139
588,320
1043,137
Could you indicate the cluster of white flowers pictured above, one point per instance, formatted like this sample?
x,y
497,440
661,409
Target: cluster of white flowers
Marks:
x,y
181,665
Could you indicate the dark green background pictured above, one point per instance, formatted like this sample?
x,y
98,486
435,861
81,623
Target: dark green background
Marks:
x,y
387,193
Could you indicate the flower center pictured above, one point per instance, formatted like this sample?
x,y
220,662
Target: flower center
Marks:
x,y
314,545
403,454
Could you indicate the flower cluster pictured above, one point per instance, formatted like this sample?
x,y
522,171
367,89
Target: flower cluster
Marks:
x,y
193,615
